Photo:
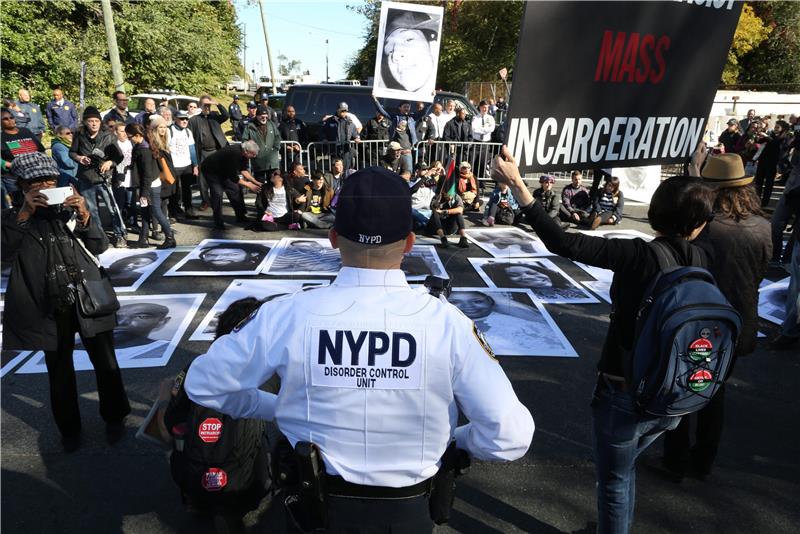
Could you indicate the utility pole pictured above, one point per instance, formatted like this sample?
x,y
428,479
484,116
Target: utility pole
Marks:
x,y
327,78
113,51
266,40
244,55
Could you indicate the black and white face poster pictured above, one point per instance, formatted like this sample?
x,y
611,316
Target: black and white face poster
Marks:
x,y
407,58
616,84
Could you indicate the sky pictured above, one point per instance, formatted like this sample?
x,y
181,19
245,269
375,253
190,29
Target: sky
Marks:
x,y
298,29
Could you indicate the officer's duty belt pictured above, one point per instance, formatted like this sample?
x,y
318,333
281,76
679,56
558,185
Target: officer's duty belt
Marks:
x,y
339,487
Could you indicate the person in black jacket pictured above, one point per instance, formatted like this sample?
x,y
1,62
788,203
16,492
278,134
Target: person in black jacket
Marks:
x,y
768,162
679,211
90,149
206,128
145,175
235,113
295,130
51,248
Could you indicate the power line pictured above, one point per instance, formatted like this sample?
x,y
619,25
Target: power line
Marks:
x,y
315,27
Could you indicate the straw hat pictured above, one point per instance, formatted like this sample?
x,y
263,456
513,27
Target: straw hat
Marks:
x,y
725,170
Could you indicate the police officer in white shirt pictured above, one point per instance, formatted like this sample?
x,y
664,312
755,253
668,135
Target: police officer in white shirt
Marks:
x,y
372,371
483,124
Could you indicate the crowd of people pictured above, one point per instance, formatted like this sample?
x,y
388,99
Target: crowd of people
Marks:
x,y
141,169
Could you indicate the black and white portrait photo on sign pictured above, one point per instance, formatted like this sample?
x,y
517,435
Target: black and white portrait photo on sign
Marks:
x,y
303,256
512,321
409,37
421,262
149,328
129,268
238,289
10,358
224,257
547,282
772,301
508,242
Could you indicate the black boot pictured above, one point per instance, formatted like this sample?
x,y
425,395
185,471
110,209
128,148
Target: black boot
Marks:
x,y
445,243
463,243
169,242
141,243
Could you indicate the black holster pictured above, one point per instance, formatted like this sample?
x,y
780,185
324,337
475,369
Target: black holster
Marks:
x,y
455,462
307,504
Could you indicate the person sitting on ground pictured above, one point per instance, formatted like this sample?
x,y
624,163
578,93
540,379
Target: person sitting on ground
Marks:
x,y
280,203
608,205
575,201
240,451
447,217
297,178
316,209
392,159
467,187
502,207
334,180
547,196
423,191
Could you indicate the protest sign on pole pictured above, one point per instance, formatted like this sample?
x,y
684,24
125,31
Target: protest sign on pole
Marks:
x,y
633,85
407,58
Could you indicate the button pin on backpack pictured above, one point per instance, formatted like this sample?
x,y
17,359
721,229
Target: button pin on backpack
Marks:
x,y
700,350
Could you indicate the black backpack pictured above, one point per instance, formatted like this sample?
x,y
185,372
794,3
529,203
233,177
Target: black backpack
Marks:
x,y
220,460
686,333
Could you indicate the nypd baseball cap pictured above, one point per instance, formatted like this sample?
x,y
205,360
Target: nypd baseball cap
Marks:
x,y
374,207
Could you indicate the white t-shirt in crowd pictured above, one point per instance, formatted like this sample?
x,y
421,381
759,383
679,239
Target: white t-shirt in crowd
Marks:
x,y
179,143
277,206
126,147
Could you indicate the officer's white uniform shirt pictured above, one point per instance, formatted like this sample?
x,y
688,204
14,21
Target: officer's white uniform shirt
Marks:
x,y
482,127
385,424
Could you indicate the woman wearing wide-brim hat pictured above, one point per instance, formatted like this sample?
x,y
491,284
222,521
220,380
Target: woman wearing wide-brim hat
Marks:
x,y
742,247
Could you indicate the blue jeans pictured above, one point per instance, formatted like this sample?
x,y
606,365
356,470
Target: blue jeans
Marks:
x,y
154,208
619,435
790,327
89,193
421,218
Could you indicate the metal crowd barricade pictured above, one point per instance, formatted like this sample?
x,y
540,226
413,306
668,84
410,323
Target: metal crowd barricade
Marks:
x,y
478,155
292,151
320,154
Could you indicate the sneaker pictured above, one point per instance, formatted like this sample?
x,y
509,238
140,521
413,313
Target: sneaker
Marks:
x,y
489,221
445,242
158,236
294,226
121,242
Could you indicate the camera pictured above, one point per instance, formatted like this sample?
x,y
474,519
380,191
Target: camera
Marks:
x,y
438,286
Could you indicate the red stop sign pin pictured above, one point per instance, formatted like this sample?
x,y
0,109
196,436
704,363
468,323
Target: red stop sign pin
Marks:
x,y
210,430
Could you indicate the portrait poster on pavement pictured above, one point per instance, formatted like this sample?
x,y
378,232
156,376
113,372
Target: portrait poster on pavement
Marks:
x,y
772,301
149,328
635,89
128,269
542,277
224,257
507,242
303,257
513,322
407,58
422,261
238,289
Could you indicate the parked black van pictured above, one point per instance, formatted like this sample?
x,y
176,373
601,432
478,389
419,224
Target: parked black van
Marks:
x,y
312,102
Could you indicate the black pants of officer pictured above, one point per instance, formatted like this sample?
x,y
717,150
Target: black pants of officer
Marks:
x,y
114,404
217,185
375,516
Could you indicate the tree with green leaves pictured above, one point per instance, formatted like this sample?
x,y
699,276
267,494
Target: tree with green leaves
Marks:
x,y
43,44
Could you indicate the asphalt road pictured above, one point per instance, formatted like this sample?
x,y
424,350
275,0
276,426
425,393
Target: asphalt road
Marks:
x,y
755,487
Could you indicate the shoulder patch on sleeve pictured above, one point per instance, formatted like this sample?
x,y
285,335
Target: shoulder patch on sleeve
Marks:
x,y
482,341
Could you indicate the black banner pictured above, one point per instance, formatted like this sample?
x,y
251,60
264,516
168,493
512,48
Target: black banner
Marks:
x,y
616,84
